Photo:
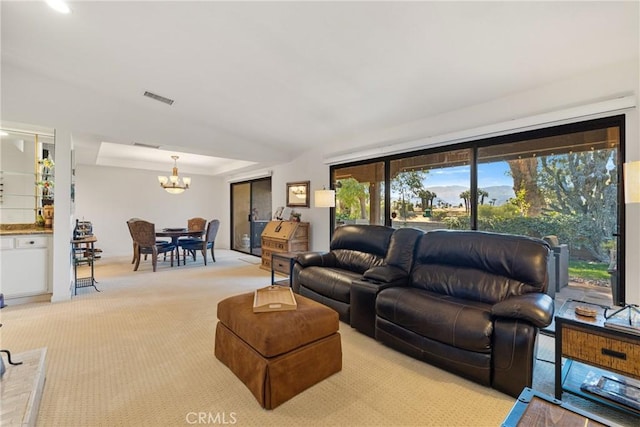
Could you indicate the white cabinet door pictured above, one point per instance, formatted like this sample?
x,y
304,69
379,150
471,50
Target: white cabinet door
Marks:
x,y
25,267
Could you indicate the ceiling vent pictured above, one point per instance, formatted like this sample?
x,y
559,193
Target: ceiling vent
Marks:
x,y
158,98
140,144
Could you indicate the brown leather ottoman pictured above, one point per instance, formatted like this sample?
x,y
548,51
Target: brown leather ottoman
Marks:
x,y
278,354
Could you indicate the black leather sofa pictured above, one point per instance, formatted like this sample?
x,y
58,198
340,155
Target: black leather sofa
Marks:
x,y
380,254
470,302
473,305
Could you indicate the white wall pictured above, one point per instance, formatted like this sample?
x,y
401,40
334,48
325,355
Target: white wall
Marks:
x,y
589,87
109,196
307,167
61,257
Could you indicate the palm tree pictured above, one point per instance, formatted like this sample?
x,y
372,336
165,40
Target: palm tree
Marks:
x,y
426,197
466,196
481,195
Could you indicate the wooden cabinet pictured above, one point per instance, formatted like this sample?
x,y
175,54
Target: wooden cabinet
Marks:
x,y
283,236
25,266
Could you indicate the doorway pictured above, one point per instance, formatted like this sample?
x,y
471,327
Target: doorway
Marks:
x,y
250,213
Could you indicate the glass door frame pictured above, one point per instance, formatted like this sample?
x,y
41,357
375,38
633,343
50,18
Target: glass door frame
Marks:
x,y
232,235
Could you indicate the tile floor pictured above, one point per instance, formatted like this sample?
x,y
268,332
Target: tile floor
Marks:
x,y
576,291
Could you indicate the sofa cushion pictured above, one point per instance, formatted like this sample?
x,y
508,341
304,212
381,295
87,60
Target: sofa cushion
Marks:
x,y
464,324
373,239
356,261
487,267
402,248
359,247
333,283
465,283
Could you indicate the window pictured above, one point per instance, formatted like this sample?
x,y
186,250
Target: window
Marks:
x,y
560,183
360,193
431,191
564,185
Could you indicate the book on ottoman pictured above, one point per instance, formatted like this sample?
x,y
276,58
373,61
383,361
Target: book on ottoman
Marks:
x,y
273,298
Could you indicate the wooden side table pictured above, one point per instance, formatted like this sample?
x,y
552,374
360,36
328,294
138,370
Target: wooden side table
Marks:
x,y
283,262
591,348
537,409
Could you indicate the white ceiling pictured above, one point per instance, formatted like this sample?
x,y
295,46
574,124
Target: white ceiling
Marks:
x,y
264,81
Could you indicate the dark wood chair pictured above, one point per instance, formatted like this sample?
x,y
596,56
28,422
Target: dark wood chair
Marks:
x,y
135,251
143,234
158,242
202,245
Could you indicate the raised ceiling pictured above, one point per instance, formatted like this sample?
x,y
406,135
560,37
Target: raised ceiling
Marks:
x,y
261,82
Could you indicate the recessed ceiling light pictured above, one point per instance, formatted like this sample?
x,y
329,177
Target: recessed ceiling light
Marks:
x,y
59,6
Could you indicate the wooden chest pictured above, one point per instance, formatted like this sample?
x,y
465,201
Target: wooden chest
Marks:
x,y
283,236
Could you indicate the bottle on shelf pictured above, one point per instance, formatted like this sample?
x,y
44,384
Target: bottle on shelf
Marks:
x,y
40,219
48,216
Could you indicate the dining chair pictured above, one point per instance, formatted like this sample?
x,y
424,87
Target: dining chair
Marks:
x,y
193,224
202,244
135,251
158,242
144,238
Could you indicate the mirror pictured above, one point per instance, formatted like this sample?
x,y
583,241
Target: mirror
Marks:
x,y
26,175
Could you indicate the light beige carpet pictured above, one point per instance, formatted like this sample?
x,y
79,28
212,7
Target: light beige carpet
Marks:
x,y
140,353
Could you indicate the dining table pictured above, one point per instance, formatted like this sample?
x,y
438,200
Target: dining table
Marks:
x,y
175,234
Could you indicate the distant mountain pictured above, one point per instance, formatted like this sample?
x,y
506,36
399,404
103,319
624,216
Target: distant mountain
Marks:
x,y
451,194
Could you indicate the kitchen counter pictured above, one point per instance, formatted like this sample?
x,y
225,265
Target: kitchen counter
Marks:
x,y
18,229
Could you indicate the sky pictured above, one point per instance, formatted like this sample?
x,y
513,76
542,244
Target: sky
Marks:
x,y
489,174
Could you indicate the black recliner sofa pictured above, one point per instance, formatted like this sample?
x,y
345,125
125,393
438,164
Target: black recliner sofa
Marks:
x,y
473,305
470,302
375,252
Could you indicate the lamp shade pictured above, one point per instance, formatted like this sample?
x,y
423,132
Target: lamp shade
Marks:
x,y
632,182
325,199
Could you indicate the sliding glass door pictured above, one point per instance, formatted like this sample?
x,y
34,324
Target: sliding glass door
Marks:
x,y
562,184
563,188
250,212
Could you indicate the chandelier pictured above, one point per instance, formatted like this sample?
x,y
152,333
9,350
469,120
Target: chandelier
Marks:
x,y
174,184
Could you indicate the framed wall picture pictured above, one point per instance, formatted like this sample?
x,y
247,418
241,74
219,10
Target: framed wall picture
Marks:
x,y
298,194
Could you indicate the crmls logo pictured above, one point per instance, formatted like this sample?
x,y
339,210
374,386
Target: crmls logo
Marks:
x,y
211,418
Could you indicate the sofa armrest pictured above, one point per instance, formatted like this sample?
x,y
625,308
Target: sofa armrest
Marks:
x,y
363,303
385,274
535,308
316,259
